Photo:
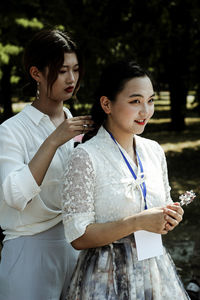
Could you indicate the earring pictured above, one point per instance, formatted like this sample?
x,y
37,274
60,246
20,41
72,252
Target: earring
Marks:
x,y
38,91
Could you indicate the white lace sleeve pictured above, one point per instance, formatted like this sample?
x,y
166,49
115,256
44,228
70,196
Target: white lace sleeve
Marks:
x,y
78,200
165,178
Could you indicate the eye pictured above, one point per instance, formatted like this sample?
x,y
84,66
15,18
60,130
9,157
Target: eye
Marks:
x,y
135,101
76,70
151,100
62,71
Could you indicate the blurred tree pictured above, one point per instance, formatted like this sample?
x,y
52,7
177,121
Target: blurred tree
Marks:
x,y
13,36
6,54
159,34
176,53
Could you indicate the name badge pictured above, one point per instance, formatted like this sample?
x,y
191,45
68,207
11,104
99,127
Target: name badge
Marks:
x,y
148,244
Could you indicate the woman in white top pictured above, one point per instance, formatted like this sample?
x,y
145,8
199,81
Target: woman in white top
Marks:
x,y
116,198
36,261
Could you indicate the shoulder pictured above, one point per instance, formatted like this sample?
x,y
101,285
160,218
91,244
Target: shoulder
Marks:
x,y
149,145
90,145
18,127
13,120
18,119
147,142
80,162
83,154
12,125
85,151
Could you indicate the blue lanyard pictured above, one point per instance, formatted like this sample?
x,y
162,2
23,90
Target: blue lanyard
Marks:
x,y
143,185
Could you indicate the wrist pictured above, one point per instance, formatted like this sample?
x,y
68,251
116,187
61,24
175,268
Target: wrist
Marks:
x,y
133,223
51,143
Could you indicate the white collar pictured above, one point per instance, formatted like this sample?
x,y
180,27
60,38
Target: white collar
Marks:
x,y
36,116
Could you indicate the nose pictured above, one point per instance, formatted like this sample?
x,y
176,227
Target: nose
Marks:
x,y
70,78
144,109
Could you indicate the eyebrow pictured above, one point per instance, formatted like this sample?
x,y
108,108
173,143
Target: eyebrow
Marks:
x,y
66,66
139,95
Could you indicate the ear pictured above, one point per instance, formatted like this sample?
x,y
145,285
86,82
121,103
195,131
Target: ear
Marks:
x,y
105,104
35,73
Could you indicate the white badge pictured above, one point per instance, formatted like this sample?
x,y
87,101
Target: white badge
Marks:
x,y
148,244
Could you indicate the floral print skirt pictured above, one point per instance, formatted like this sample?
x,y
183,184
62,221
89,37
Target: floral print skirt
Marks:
x,y
113,272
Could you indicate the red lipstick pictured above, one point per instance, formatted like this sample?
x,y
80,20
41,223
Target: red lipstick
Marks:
x,y
140,122
69,89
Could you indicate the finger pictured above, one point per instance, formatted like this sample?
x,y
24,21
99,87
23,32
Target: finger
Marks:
x,y
171,221
176,208
88,117
81,129
164,231
180,211
173,206
176,216
169,227
88,123
171,212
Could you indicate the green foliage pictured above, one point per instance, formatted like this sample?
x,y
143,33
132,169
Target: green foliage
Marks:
x,y
60,27
33,23
14,79
7,50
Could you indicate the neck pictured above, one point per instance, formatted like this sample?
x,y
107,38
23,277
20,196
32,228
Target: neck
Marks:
x,y
53,109
124,139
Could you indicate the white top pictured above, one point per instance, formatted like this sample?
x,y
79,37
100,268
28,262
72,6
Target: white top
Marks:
x,y
25,207
100,188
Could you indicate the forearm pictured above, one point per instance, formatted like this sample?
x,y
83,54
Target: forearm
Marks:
x,y
97,235
42,159
100,234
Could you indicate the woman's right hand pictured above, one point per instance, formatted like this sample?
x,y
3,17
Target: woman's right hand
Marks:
x,y
153,220
70,128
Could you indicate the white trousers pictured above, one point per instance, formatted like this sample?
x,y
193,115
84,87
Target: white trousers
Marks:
x,y
37,267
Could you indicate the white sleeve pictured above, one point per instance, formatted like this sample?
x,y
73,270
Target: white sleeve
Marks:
x,y
165,177
78,195
17,182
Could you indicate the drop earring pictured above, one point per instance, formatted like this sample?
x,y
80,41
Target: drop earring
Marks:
x,y
38,91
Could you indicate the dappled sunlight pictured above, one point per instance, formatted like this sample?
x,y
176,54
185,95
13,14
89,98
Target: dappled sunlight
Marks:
x,y
179,146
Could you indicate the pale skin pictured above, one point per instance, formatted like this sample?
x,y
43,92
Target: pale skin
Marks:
x,y
128,115
50,102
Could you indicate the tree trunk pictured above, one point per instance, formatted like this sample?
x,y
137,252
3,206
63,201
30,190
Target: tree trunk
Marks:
x,y
6,92
178,99
197,99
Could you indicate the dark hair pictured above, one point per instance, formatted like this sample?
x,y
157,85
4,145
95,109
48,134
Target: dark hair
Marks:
x,y
112,81
46,49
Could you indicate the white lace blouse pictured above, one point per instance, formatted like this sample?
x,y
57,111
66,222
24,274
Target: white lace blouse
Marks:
x,y
99,187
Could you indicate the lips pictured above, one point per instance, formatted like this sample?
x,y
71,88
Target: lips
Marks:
x,y
140,122
69,89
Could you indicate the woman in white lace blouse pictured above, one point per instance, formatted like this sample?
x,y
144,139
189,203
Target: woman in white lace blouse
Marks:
x,y
116,198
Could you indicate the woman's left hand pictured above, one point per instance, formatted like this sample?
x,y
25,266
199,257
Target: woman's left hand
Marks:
x,y
173,215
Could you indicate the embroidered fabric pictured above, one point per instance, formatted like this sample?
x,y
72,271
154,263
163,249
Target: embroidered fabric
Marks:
x,y
78,204
165,178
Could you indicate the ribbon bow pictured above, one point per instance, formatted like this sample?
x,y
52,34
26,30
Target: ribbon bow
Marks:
x,y
133,184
